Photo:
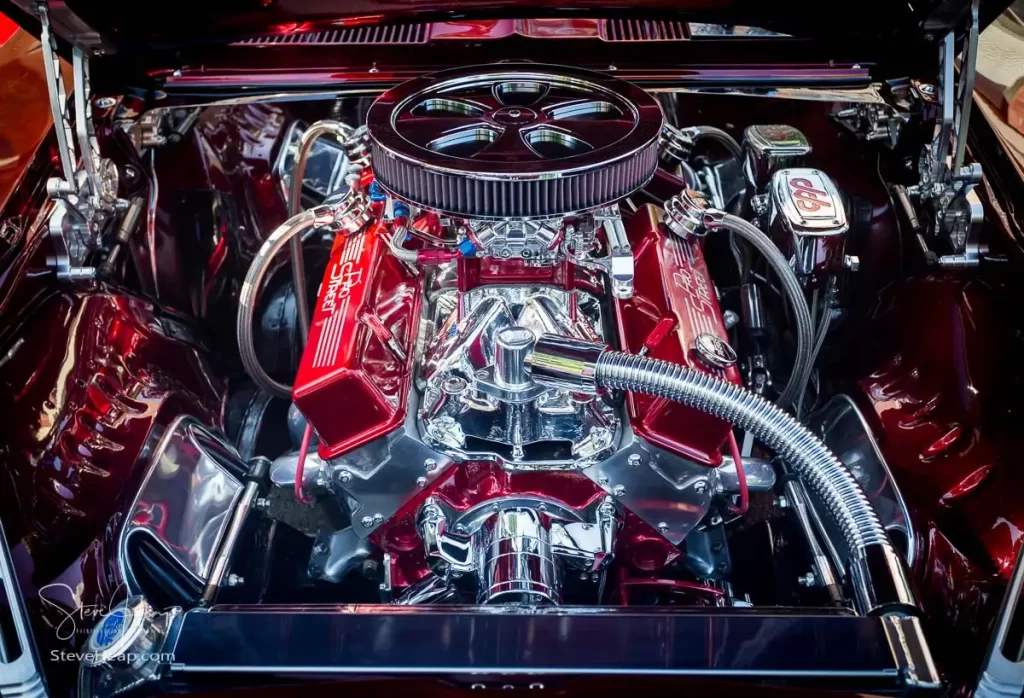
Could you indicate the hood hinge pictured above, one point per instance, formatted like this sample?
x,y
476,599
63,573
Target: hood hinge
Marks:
x,y
86,190
945,197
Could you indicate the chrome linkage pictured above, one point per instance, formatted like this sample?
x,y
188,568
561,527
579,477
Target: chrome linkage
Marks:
x,y
86,192
946,193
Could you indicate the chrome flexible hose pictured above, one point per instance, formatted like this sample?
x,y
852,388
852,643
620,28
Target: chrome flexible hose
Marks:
x,y
321,128
872,555
876,573
291,229
794,293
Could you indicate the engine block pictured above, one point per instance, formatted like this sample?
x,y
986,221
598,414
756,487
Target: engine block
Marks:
x,y
415,374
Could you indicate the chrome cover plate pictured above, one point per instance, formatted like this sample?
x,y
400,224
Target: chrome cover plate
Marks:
x,y
464,416
185,502
808,202
668,492
844,430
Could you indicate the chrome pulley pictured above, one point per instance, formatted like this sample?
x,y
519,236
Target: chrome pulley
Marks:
x,y
514,140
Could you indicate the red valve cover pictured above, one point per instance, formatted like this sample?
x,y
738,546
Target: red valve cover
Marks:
x,y
354,379
672,290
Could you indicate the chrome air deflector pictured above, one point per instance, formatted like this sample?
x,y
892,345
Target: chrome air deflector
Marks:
x,y
514,140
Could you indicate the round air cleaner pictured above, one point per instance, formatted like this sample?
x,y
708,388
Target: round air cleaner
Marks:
x,y
514,140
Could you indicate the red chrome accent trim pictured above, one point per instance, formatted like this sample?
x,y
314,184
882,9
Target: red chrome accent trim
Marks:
x,y
352,385
671,282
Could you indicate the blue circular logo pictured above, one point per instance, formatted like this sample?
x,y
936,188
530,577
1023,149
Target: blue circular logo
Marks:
x,y
110,629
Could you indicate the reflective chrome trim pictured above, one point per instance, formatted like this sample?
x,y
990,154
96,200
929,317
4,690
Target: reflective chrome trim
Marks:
x,y
185,500
844,430
23,676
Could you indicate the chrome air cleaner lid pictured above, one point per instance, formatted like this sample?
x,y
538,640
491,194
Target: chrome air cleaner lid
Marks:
x,y
514,140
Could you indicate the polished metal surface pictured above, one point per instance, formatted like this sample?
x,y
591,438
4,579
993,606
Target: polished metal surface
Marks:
x,y
515,550
188,494
759,473
844,429
684,213
257,471
337,553
512,345
806,204
21,672
770,147
375,481
517,564
869,655
1002,673
670,493
470,411
514,141
824,575
879,578
565,363
713,351
533,241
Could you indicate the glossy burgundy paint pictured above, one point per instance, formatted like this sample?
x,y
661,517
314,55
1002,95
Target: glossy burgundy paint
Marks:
x,y
91,379
945,414
353,384
218,200
640,550
671,286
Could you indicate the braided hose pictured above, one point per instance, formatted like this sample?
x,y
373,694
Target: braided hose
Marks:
x,y
793,292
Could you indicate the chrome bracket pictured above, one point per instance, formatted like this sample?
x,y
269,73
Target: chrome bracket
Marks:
x,y
878,123
946,193
86,191
618,265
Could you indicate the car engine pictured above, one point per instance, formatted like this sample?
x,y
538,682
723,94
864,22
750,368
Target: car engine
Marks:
x,y
494,236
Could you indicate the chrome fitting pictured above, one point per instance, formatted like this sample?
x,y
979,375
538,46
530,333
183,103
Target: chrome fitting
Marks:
x,y
565,363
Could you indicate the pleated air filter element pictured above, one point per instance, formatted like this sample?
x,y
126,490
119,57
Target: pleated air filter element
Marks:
x,y
514,141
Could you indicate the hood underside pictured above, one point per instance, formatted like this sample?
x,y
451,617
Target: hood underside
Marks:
x,y
133,27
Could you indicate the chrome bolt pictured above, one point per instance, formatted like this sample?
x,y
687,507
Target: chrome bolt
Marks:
x,y
233,580
536,687
928,90
715,520
421,482
453,385
430,465
105,102
781,502
635,460
584,576
603,481
320,548
700,486
378,519
619,490
806,580
663,527
367,522
344,477
477,687
261,504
